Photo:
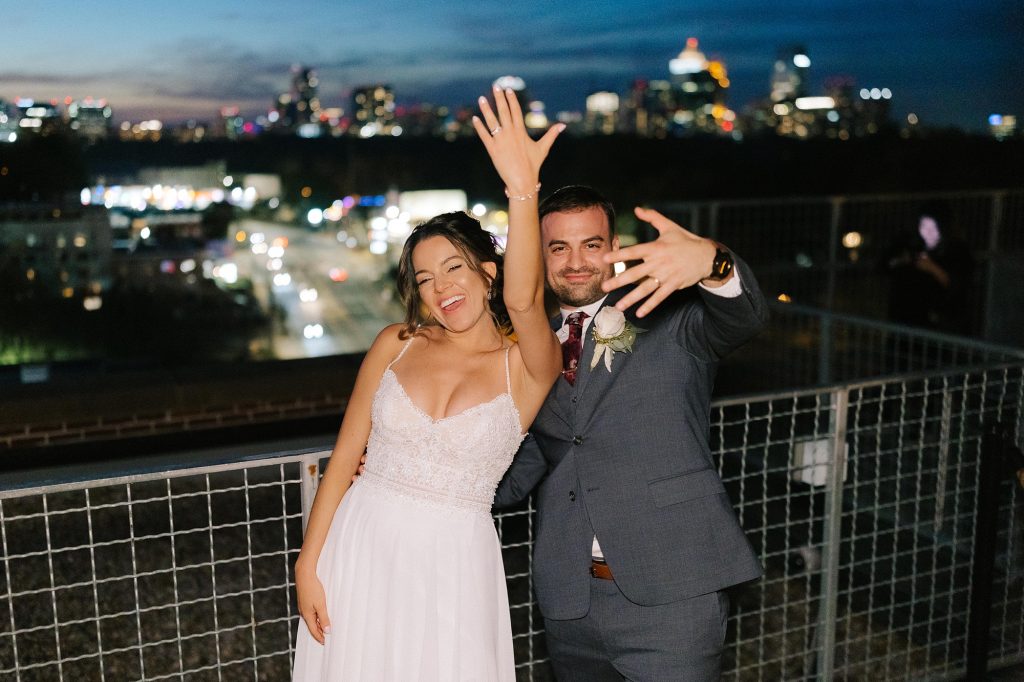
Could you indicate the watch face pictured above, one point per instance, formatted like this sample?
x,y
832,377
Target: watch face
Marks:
x,y
722,266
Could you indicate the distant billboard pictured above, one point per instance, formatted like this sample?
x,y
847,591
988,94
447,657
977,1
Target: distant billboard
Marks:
x,y
266,184
425,204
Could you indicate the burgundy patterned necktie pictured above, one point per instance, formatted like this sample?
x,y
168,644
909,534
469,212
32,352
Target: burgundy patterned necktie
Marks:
x,y
573,345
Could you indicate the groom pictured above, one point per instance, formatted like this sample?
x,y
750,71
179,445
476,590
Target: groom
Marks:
x,y
636,538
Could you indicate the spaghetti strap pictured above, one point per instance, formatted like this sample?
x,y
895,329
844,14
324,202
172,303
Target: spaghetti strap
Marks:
x,y
406,347
508,377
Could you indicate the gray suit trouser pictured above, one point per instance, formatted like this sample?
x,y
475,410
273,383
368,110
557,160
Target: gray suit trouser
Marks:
x,y
619,640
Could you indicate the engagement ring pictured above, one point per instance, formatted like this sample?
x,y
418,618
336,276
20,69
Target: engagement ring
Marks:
x,y
497,129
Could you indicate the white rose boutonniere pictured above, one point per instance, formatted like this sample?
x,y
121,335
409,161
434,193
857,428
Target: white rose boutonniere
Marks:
x,y
612,334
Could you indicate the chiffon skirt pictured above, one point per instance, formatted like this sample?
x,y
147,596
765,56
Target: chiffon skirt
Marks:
x,y
415,591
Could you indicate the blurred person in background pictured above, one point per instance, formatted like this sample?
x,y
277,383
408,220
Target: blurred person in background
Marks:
x,y
931,272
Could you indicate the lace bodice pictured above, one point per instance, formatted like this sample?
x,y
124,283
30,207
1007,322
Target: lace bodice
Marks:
x,y
455,462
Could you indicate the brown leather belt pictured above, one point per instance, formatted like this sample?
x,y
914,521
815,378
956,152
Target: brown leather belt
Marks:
x,y
599,569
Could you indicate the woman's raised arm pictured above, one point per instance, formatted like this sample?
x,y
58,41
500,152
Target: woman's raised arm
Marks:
x,y
518,159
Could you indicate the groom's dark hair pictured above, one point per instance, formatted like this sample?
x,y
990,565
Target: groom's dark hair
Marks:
x,y
576,198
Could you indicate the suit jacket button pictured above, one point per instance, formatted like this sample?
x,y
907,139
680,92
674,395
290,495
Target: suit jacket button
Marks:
x,y
572,496
577,440
574,399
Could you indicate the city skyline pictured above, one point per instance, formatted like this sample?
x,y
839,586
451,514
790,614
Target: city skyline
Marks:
x,y
949,64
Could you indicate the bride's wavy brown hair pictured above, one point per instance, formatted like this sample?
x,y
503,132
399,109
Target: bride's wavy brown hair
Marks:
x,y
475,244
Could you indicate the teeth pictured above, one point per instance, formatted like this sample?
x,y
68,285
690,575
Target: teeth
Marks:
x,y
448,301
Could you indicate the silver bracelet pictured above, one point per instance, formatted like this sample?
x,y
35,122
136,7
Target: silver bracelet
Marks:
x,y
523,197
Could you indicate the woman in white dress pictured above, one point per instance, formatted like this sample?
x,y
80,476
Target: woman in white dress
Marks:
x,y
400,574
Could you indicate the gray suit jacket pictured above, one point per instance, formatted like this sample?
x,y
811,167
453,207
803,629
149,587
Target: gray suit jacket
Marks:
x,y
624,454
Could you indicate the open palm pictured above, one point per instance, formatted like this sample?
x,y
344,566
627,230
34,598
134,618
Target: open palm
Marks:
x,y
516,156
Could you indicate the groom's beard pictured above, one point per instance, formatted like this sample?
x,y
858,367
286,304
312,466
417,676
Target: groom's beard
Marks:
x,y
579,294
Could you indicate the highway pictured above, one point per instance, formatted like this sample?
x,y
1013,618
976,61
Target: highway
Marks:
x,y
354,298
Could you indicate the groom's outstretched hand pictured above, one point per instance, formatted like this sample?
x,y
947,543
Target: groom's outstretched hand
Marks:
x,y
675,260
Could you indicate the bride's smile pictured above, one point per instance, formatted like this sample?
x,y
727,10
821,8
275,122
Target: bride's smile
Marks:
x,y
453,292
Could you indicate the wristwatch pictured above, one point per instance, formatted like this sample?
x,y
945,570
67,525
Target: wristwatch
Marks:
x,y
721,267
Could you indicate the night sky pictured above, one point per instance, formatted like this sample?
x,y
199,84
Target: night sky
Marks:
x,y
950,62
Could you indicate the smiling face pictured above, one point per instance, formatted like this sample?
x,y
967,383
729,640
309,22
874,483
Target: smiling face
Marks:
x,y
573,244
450,287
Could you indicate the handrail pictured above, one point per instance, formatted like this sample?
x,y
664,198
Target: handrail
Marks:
x,y
172,465
828,199
893,327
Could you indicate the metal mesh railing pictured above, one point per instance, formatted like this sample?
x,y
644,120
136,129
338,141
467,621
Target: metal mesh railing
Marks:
x,y
861,500
170,575
804,347
516,531
183,574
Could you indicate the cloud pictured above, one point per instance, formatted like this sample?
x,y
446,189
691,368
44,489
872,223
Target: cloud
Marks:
x,y
32,79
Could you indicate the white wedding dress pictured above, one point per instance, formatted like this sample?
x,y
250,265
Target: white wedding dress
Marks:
x,y
412,564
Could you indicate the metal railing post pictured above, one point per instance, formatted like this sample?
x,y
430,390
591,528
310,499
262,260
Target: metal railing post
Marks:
x,y
825,632
942,467
308,484
833,250
825,346
995,223
825,349
999,459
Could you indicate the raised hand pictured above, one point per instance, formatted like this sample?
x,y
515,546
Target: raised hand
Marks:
x,y
675,260
518,159
515,155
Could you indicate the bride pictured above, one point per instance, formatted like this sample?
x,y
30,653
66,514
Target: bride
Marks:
x,y
400,574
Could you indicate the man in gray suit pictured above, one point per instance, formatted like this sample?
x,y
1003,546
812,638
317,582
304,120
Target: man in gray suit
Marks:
x,y
636,539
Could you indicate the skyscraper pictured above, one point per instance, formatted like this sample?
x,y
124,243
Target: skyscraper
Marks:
x,y
872,111
1002,126
699,90
373,110
298,110
90,119
789,75
8,123
602,113
791,111
659,105
633,116
305,86
41,118
231,123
